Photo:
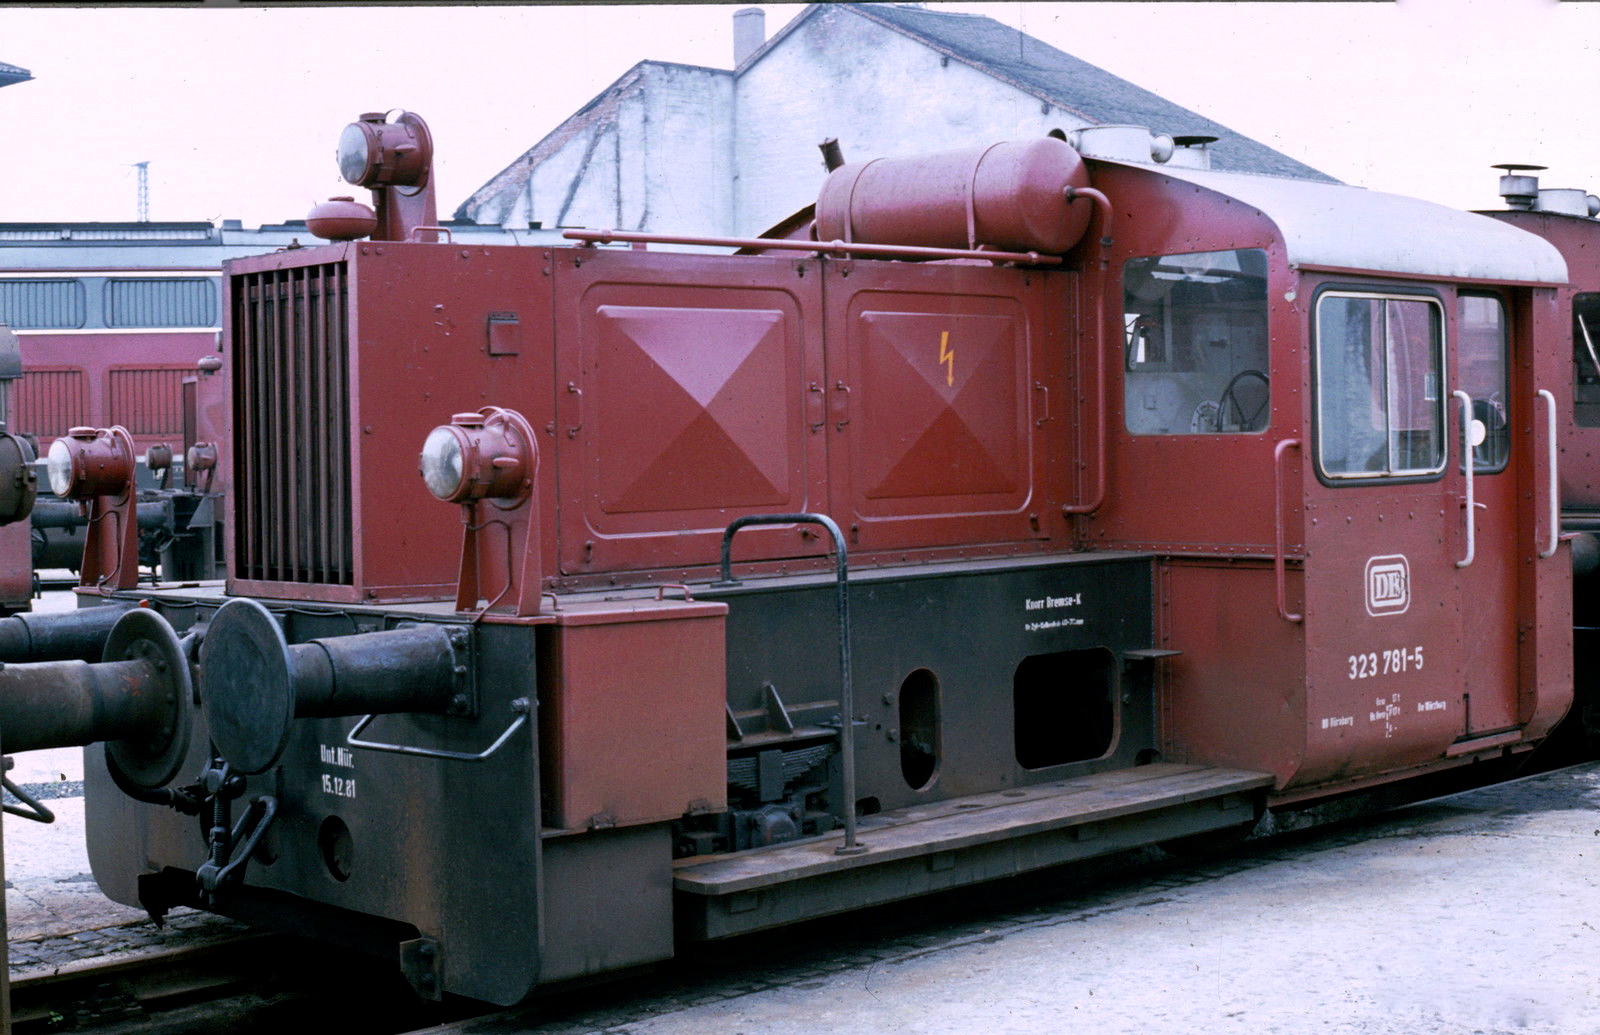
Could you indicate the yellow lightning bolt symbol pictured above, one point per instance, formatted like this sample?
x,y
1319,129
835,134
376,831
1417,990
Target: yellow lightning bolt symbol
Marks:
x,y
947,356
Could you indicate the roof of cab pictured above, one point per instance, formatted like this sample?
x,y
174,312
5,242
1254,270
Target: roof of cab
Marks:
x,y
1334,226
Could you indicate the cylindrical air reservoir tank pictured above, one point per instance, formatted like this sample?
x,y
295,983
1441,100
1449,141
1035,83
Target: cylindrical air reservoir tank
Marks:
x,y
1012,196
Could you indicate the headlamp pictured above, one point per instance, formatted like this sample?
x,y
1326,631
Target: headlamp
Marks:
x,y
489,454
90,462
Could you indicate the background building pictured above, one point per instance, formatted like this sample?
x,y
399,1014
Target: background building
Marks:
x,y
11,74
682,149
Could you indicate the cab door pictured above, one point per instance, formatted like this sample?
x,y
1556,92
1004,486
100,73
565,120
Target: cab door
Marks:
x,y
1411,641
1486,606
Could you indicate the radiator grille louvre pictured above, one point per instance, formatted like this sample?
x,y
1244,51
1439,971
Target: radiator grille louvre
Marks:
x,y
49,402
148,401
292,426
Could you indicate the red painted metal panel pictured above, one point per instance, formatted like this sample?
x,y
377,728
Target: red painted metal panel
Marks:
x,y
1199,493
688,395
1235,694
16,566
631,713
95,355
948,395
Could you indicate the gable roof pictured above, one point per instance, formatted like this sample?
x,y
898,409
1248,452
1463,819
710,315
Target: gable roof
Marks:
x,y
10,74
601,108
1072,84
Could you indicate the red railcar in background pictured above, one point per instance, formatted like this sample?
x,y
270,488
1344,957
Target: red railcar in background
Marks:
x,y
112,316
1566,218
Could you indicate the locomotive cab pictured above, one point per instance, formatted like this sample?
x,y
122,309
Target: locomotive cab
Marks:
x,y
1334,427
1083,504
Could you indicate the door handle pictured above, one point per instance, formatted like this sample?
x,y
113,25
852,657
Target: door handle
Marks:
x,y
1467,465
1278,557
1555,482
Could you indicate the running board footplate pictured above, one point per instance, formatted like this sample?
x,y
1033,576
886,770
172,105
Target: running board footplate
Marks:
x,y
948,844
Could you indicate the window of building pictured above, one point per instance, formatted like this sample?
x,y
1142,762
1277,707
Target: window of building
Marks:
x,y
1379,369
1483,345
1195,343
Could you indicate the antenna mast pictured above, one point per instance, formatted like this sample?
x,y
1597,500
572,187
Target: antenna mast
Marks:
x,y
144,190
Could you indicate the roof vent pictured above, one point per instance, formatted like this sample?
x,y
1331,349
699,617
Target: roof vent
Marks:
x,y
1520,191
1192,151
1122,143
1568,201
1523,193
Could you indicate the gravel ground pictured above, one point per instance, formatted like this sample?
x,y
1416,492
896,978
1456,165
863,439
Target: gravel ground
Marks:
x,y
1473,915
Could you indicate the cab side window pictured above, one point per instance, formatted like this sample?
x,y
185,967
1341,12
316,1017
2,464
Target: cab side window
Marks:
x,y
1195,343
1483,345
1379,368
1586,359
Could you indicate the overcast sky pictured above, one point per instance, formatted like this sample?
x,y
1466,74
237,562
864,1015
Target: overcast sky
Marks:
x,y
237,110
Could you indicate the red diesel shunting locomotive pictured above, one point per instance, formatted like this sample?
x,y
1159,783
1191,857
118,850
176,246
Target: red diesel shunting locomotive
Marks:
x,y
1239,493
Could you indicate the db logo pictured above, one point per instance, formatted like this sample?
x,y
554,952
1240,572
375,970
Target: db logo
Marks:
x,y
1388,585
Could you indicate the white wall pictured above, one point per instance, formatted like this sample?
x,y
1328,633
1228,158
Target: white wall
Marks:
x,y
683,150
881,94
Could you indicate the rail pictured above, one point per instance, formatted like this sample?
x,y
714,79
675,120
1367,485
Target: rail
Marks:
x,y
519,707
847,710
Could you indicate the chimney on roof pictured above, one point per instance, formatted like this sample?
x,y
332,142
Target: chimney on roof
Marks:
x,y
749,33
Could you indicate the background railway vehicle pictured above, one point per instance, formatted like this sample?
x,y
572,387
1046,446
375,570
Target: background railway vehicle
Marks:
x,y
112,319
1566,218
18,485
1043,501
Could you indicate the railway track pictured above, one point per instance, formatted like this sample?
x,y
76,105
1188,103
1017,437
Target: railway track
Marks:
x,y
101,991
243,984
261,983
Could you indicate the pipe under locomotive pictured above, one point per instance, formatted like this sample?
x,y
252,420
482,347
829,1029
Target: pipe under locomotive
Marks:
x,y
1034,507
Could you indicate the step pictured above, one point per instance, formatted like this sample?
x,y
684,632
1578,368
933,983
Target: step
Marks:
x,y
959,841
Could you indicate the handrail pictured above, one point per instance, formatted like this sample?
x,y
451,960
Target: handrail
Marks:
x,y
847,736
1092,504
1555,485
1279,572
826,247
1467,465
521,707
